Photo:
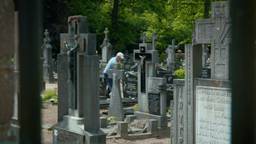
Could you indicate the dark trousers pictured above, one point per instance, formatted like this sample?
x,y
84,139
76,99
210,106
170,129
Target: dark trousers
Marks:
x,y
108,82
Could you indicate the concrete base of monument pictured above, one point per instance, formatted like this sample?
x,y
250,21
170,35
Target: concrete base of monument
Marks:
x,y
161,120
70,130
95,138
133,127
14,131
72,120
67,136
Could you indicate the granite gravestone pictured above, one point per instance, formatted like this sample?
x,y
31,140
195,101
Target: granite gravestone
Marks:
x,y
157,95
151,104
216,31
79,67
115,106
146,57
47,58
202,112
106,54
213,115
214,96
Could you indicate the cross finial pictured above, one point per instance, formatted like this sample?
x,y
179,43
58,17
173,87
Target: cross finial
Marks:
x,y
106,33
46,36
143,37
154,38
173,42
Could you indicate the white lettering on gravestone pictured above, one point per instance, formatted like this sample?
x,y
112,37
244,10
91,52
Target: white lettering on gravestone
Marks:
x,y
213,115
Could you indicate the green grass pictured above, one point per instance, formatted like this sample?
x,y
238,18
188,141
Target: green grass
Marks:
x,y
50,95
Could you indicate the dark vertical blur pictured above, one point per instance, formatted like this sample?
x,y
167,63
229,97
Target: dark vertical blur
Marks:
x,y
242,70
30,70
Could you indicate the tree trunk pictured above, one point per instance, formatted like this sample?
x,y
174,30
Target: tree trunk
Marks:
x,y
114,26
207,6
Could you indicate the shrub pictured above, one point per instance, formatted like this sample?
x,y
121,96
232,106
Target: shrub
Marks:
x,y
50,95
136,107
179,73
111,120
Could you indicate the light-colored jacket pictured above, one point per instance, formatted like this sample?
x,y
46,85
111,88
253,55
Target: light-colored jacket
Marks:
x,y
111,63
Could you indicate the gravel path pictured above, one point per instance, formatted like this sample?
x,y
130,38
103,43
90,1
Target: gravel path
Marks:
x,y
49,118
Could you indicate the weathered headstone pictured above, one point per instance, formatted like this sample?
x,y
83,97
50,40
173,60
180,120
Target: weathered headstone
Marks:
x,y
170,51
151,91
47,58
106,47
91,108
213,97
216,31
202,106
213,113
79,71
157,95
179,127
116,107
62,70
147,58
75,45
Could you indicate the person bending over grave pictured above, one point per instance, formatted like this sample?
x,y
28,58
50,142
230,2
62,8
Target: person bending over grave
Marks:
x,y
114,61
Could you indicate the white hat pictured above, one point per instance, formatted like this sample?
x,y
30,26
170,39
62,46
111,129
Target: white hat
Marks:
x,y
121,55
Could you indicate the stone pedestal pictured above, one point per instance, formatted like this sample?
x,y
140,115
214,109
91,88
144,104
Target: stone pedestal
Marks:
x,y
79,120
161,120
95,138
122,129
70,131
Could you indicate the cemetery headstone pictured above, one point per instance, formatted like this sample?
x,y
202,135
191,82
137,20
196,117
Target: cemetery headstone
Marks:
x,y
79,74
146,58
116,107
106,47
151,94
203,105
170,51
47,58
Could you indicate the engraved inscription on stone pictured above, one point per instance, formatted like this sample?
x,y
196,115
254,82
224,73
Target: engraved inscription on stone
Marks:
x,y
213,115
203,31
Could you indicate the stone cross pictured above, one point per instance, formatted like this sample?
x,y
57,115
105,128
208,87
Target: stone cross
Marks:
x,y
47,58
217,32
73,44
106,47
82,64
106,31
146,58
143,37
170,51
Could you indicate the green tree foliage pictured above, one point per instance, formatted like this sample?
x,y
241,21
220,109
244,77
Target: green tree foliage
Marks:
x,y
55,13
127,19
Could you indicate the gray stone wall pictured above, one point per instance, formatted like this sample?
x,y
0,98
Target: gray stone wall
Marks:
x,y
179,122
